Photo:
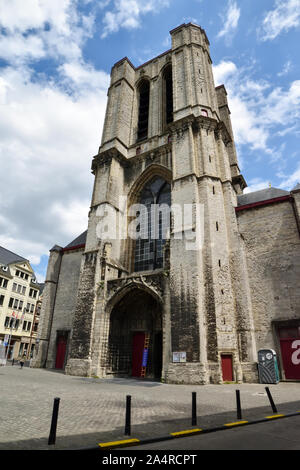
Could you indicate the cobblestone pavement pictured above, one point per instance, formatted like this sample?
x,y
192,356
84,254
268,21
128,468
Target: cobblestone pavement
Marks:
x,y
92,410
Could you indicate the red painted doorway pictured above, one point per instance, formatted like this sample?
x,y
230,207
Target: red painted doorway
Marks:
x,y
227,369
60,352
290,353
137,353
289,338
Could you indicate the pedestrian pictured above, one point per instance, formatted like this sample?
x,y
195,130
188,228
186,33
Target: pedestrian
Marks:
x,y
22,360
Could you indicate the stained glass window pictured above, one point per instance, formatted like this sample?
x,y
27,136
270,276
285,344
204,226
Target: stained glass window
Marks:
x,y
154,225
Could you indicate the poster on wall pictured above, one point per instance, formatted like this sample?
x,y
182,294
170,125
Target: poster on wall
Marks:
x,y
179,356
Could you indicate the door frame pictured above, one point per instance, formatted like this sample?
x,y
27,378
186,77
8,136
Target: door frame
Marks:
x,y
276,326
229,354
65,334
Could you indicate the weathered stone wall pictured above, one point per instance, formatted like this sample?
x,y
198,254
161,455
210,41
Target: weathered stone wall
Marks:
x,y
79,362
272,245
208,309
47,308
65,300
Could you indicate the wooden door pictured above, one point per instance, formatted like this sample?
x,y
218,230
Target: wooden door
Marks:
x,y
137,353
227,369
60,352
290,353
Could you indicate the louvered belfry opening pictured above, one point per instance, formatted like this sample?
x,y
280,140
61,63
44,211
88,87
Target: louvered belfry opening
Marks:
x,y
144,93
168,95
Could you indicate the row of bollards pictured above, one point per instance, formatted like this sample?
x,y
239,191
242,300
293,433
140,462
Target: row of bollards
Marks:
x,y
238,403
194,409
52,435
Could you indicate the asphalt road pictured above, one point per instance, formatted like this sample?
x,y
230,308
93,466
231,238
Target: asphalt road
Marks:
x,y
281,434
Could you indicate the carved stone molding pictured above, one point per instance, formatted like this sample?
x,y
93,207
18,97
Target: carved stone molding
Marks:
x,y
153,283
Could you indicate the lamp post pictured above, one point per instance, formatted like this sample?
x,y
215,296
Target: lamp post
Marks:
x,y
13,323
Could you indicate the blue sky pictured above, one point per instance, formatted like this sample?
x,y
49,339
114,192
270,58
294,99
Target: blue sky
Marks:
x,y
55,61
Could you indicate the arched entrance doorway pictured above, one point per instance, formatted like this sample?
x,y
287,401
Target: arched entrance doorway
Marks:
x,y
134,319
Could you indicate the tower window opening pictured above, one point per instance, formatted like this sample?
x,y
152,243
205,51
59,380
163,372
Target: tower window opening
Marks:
x,y
168,95
144,94
154,225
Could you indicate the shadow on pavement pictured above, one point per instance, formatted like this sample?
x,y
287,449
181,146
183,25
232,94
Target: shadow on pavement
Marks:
x,y
157,427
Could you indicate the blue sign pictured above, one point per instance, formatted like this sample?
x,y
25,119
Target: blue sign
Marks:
x,y
145,358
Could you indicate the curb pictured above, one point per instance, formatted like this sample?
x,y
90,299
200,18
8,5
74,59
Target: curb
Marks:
x,y
134,442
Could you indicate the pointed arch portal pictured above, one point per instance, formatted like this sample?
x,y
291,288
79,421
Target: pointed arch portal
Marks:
x,y
136,316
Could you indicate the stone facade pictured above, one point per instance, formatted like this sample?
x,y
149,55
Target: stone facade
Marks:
x,y
20,295
210,302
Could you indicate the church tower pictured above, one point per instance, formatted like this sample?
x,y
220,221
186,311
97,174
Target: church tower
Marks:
x,y
176,305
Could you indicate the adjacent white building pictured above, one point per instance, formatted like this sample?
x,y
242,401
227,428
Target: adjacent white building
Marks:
x,y
19,305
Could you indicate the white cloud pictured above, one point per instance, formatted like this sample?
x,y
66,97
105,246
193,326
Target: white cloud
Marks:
x,y
257,109
31,47
256,184
223,71
49,129
14,16
288,66
290,181
81,77
127,14
47,139
231,20
45,28
282,18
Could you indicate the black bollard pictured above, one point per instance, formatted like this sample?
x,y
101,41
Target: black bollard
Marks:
x,y
194,409
271,400
128,416
52,435
238,405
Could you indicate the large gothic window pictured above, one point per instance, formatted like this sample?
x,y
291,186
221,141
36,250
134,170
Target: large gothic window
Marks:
x,y
144,94
154,224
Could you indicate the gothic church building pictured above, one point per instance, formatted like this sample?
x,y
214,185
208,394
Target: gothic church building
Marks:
x,y
201,315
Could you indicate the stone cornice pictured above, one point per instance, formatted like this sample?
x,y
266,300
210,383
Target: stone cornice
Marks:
x,y
180,125
239,179
118,82
106,157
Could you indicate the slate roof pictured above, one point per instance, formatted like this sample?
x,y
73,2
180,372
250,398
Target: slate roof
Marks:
x,y
262,195
8,257
41,286
80,240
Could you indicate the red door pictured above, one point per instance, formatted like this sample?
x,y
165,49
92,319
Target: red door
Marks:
x,y
60,352
137,353
226,361
290,353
